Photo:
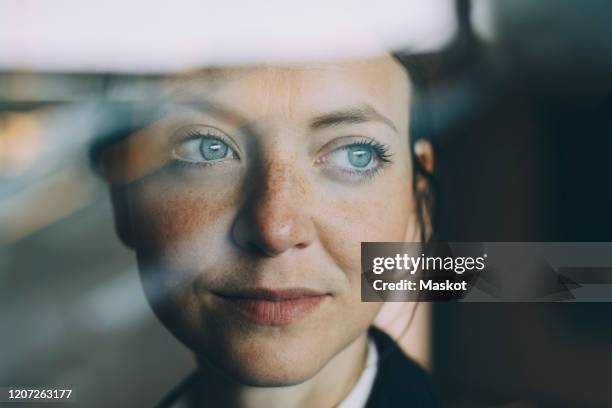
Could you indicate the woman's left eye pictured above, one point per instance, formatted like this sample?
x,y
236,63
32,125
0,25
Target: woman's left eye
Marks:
x,y
354,156
357,157
203,148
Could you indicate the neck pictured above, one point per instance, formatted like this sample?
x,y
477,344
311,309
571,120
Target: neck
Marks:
x,y
327,388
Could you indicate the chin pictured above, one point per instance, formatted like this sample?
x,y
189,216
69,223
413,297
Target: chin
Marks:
x,y
264,362
266,375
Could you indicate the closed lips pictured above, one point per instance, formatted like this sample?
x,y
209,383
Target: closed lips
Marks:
x,y
274,307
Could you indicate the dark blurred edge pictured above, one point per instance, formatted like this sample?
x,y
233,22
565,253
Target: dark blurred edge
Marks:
x,y
531,163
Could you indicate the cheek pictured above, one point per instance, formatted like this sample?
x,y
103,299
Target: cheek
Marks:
x,y
375,212
173,222
380,211
179,231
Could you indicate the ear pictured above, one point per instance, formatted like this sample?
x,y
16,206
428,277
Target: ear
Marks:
x,y
424,197
121,211
424,153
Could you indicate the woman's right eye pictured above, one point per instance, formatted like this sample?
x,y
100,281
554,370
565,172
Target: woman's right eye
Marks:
x,y
203,147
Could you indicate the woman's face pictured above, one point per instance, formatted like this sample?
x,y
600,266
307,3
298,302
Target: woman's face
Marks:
x,y
248,227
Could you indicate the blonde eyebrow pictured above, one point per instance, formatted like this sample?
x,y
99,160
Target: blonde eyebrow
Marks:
x,y
351,115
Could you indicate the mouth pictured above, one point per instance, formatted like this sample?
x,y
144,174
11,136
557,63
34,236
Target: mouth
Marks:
x,y
273,307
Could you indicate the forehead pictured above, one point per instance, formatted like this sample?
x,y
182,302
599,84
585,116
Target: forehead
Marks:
x,y
295,92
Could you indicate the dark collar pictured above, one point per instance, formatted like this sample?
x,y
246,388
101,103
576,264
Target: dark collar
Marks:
x,y
400,382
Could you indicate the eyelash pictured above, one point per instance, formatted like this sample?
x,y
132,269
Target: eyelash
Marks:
x,y
381,150
193,134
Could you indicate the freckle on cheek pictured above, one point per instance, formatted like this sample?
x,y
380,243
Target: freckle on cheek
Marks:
x,y
175,217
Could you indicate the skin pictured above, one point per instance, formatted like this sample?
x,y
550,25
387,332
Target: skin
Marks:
x,y
282,212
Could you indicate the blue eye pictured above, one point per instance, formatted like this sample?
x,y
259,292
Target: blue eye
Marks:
x,y
359,156
354,157
203,147
213,149
356,161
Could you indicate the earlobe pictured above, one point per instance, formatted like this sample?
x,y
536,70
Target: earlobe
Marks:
x,y
121,211
423,151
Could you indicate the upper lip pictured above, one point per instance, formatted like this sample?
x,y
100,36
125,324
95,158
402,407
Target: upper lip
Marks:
x,y
274,295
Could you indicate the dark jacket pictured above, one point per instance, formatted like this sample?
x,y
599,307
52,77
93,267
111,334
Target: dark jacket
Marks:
x,y
399,382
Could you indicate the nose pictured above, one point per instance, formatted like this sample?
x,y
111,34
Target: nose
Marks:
x,y
275,216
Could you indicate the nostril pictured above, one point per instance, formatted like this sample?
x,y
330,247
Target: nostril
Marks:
x,y
254,248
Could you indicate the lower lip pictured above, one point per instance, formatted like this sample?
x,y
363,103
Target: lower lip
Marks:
x,y
275,313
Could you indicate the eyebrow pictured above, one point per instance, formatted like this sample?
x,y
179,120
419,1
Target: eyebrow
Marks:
x,y
352,115
208,106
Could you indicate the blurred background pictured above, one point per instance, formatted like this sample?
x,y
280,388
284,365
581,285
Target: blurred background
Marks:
x,y
518,104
